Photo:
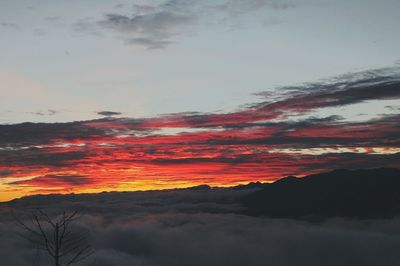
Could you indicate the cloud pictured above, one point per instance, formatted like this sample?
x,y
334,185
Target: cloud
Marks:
x,y
295,101
36,157
393,108
55,180
5,173
159,25
183,227
53,18
42,133
149,43
153,30
262,141
48,112
39,32
234,240
8,25
108,113
86,26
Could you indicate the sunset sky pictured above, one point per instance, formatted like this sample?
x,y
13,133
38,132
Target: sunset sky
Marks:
x,y
132,95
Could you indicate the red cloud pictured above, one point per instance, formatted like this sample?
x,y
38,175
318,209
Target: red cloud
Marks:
x,y
217,149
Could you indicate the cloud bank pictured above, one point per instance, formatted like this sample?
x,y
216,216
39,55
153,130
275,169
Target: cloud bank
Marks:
x,y
198,227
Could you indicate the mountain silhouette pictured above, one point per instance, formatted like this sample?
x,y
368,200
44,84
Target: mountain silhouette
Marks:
x,y
373,193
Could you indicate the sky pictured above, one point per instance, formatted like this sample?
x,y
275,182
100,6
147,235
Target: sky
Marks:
x,y
129,95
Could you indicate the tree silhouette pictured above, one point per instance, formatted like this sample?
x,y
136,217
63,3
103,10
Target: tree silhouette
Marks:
x,y
55,237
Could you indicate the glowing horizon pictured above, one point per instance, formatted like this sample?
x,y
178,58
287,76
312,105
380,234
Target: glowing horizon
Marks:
x,y
290,133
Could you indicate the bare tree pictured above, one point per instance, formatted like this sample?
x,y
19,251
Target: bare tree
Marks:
x,y
54,236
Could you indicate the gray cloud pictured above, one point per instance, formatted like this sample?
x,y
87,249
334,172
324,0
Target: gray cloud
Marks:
x,y
157,26
48,112
8,25
393,108
108,113
148,43
53,18
39,32
55,180
5,172
342,90
35,157
86,26
153,30
42,133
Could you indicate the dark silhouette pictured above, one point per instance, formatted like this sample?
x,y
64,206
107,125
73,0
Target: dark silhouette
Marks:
x,y
369,193
54,236
373,193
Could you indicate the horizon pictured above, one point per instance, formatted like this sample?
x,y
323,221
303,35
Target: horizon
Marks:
x,y
197,186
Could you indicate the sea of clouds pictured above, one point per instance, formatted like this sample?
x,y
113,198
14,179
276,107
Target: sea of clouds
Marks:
x,y
199,227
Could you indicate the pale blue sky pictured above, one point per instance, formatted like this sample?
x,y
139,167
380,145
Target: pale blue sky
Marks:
x,y
144,58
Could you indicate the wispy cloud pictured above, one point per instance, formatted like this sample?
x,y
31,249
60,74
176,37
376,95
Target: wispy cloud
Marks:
x,y
108,113
63,181
153,30
157,26
8,25
48,112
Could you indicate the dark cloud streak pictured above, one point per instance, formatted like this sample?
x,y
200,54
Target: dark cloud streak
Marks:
x,y
108,113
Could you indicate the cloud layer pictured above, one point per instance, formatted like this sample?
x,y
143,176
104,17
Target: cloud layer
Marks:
x,y
262,141
199,227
